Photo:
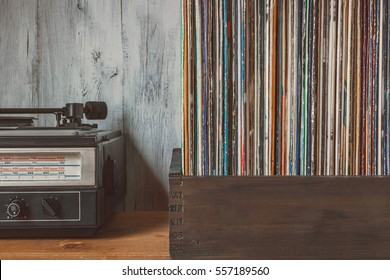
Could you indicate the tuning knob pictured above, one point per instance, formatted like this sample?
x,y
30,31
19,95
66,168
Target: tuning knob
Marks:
x,y
51,207
17,208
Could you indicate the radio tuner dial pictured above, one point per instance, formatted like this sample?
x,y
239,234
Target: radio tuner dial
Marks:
x,y
51,207
17,208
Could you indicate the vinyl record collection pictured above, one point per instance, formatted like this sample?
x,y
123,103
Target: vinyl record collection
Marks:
x,y
278,87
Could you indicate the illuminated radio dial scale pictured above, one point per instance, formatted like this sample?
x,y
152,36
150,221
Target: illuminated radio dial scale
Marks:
x,y
35,167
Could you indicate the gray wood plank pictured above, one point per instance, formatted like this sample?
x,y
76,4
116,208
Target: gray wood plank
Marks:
x,y
81,55
18,53
152,114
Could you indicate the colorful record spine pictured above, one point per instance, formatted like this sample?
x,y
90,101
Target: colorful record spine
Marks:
x,y
285,88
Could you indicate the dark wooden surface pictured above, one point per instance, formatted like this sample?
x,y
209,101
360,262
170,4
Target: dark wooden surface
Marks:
x,y
126,235
280,218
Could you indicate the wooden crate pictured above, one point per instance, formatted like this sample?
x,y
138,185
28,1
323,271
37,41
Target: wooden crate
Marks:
x,y
275,217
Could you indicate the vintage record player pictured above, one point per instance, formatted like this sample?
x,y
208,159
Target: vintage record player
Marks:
x,y
59,181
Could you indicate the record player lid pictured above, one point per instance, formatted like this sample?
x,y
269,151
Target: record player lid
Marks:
x,y
42,131
8,122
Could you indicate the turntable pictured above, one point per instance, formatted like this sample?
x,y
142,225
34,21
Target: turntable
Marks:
x,y
59,181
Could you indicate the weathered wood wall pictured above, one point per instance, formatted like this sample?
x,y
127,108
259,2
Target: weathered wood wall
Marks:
x,y
124,52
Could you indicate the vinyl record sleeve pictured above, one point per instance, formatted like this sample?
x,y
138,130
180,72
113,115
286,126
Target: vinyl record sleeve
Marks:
x,y
277,87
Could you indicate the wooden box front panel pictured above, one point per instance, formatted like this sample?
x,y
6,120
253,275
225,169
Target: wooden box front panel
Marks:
x,y
279,217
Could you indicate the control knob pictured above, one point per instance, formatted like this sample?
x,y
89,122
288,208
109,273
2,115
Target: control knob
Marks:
x,y
17,208
51,207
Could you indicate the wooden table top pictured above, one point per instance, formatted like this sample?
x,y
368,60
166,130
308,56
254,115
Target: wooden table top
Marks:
x,y
125,235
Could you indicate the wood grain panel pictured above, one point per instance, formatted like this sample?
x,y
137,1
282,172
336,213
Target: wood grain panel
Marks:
x,y
152,115
126,235
81,55
280,218
18,53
